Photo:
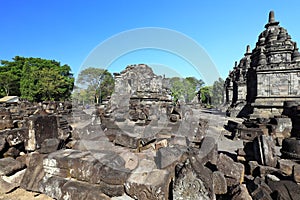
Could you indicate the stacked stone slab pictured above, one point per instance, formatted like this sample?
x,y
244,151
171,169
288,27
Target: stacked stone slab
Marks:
x,y
273,74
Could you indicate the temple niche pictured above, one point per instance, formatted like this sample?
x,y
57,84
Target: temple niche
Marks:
x,y
266,77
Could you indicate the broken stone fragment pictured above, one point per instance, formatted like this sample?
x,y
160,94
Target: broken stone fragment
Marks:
x,y
168,156
2,141
11,152
8,183
233,171
49,145
296,173
152,185
242,193
41,127
219,182
79,190
284,189
286,166
34,173
193,181
9,166
264,148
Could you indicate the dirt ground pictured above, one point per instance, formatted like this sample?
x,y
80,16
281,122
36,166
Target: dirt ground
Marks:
x,y
21,194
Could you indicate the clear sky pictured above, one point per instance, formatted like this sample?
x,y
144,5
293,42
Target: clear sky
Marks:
x,y
69,30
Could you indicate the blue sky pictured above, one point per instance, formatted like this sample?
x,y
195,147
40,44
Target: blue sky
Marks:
x,y
69,30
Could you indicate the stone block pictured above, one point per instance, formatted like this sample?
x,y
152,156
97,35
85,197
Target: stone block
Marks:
x,y
284,189
9,166
253,166
11,152
168,156
249,133
8,183
265,153
34,173
296,173
52,186
286,166
234,172
40,128
49,145
127,140
152,185
242,193
193,181
79,190
208,151
219,183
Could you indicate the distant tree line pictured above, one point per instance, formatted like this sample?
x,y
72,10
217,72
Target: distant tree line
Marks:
x,y
187,89
36,79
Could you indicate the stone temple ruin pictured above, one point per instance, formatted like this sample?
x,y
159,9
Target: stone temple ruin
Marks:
x,y
263,89
266,77
140,145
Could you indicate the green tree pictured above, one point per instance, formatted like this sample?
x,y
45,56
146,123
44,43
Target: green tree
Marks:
x,y
10,75
99,83
218,92
206,93
185,88
177,88
45,80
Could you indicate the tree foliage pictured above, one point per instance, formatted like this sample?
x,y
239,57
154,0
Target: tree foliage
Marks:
x,y
218,92
97,83
185,88
206,93
36,79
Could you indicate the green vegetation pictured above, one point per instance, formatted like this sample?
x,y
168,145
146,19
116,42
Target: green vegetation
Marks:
x,y
218,92
36,79
95,84
185,88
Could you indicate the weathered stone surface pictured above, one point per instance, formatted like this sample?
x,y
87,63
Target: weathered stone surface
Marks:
x,y
265,151
49,145
219,182
105,166
8,183
2,142
296,173
41,127
234,172
79,190
11,152
208,151
284,189
52,186
152,185
242,193
168,156
9,166
34,173
286,166
16,136
193,181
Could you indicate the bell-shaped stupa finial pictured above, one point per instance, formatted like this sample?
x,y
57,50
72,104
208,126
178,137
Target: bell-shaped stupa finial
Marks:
x,y
271,16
